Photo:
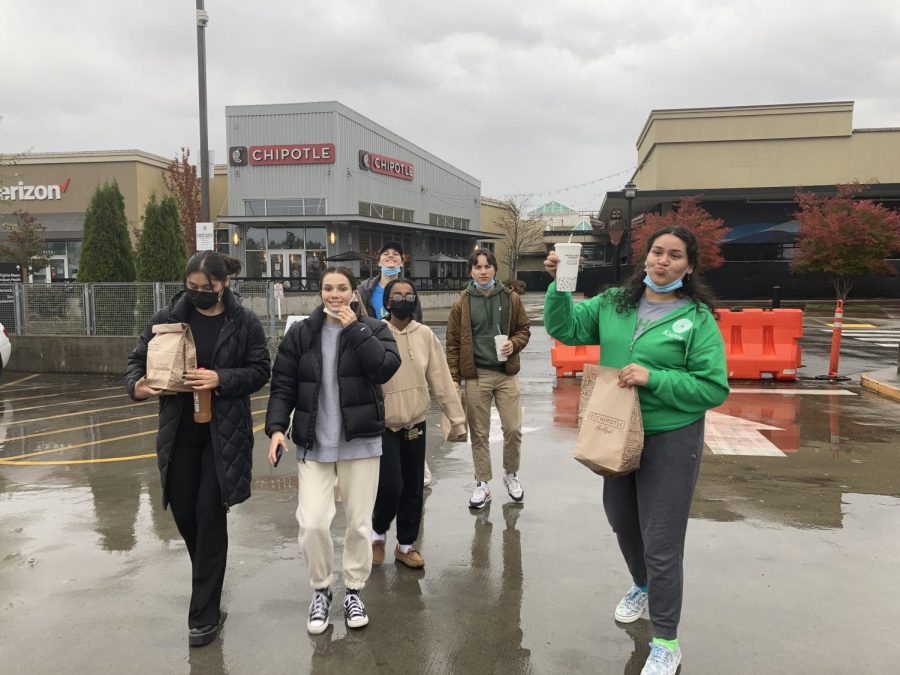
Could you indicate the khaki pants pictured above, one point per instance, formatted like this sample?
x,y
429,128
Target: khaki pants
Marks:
x,y
316,510
503,390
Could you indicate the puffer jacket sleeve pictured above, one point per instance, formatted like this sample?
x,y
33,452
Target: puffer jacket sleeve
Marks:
x,y
137,360
522,334
375,347
283,392
253,375
453,329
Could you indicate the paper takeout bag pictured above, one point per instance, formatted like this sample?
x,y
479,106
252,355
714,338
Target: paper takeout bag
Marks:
x,y
170,353
446,426
611,433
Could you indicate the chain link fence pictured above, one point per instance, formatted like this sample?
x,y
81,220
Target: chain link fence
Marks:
x,y
123,309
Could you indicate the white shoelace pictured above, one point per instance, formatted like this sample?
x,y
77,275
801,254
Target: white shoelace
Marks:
x,y
354,607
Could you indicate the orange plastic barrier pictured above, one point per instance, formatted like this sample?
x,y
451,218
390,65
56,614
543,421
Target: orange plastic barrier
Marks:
x,y
762,344
570,360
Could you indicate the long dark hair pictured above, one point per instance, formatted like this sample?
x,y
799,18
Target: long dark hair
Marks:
x,y
216,266
694,288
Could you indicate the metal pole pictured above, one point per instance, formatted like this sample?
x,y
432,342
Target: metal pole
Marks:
x,y
626,237
202,20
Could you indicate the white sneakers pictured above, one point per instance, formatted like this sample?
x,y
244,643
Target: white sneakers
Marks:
x,y
632,606
481,496
482,493
427,481
514,487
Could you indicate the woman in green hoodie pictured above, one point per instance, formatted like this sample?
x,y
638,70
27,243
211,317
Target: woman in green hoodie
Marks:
x,y
660,331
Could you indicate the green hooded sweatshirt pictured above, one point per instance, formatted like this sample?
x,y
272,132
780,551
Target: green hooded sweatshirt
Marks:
x,y
683,351
490,316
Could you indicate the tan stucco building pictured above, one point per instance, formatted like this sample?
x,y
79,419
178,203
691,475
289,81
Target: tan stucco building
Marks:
x,y
56,188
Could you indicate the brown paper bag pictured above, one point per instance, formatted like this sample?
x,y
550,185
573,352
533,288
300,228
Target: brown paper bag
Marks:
x,y
170,352
611,435
446,426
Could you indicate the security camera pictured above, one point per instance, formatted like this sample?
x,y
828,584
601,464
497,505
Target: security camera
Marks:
x,y
202,18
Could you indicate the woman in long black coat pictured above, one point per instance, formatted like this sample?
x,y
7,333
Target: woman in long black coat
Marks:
x,y
205,467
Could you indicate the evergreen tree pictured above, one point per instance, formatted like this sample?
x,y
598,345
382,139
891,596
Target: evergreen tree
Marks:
x,y
161,255
106,253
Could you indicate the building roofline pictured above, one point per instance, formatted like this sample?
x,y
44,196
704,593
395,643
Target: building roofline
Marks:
x,y
740,110
86,157
349,113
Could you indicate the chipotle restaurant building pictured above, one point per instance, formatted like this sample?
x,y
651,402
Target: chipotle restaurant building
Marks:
x,y
316,183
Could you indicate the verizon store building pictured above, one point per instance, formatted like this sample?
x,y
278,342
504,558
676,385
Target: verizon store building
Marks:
x,y
314,181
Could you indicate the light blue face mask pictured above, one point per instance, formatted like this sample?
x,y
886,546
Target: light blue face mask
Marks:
x,y
485,287
390,271
668,288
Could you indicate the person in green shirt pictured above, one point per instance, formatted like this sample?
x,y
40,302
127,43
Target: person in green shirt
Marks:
x,y
660,331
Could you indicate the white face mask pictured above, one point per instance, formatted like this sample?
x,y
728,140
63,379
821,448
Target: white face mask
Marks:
x,y
330,312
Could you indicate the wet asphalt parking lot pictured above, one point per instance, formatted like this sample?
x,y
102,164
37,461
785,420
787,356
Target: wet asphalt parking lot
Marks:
x,y
791,560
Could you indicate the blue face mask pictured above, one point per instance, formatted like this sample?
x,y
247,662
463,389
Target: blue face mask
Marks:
x,y
390,271
485,287
668,288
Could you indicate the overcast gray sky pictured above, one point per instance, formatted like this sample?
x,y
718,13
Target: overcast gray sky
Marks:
x,y
529,96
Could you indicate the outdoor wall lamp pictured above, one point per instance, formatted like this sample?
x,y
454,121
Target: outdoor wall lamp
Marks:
x,y
332,238
236,238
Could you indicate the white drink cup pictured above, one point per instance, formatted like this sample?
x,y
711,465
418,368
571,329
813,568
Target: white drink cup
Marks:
x,y
567,268
499,341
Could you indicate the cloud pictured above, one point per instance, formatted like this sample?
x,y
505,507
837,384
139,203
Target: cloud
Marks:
x,y
527,96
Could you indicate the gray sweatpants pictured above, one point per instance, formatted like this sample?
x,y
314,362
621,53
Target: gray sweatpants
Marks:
x,y
648,511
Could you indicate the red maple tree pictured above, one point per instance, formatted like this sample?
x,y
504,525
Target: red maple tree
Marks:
x,y
689,214
845,238
180,178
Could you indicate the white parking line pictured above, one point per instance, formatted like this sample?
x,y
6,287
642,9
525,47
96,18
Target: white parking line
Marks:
x,y
796,392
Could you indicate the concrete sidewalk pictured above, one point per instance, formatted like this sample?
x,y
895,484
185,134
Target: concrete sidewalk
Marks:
x,y
885,382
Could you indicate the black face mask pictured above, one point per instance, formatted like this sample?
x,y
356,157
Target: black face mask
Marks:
x,y
402,309
201,299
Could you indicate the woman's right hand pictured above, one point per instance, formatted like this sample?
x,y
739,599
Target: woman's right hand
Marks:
x,y
276,440
143,390
550,263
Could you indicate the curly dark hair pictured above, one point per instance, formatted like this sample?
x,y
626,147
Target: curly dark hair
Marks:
x,y
694,288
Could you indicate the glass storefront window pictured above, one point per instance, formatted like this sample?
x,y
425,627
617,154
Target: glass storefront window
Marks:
x,y
315,238
254,207
284,238
74,255
256,239
256,264
222,241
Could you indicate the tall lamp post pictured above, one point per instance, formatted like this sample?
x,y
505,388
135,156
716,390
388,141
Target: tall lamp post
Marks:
x,y
202,20
629,192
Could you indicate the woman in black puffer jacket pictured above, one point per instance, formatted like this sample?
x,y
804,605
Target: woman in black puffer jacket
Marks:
x,y
328,373
205,468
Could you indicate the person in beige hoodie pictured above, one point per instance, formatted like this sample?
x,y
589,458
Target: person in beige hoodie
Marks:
x,y
423,368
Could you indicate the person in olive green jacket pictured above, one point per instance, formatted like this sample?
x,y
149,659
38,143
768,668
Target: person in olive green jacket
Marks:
x,y
660,331
485,310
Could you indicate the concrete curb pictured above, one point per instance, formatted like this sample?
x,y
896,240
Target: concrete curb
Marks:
x,y
885,382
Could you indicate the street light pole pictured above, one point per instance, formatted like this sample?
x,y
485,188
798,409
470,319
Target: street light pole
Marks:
x,y
202,20
630,191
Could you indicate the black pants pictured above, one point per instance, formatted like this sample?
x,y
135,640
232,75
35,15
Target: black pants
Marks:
x,y
400,484
648,510
196,502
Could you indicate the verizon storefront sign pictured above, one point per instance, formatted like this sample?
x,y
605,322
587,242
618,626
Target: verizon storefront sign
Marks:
x,y
30,193
306,153
386,165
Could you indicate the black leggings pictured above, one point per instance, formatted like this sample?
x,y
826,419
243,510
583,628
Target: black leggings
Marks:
x,y
400,484
196,502
648,510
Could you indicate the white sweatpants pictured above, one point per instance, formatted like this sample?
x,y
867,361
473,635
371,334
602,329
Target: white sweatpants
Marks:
x,y
316,509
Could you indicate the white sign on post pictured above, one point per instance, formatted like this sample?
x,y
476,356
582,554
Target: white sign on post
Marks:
x,y
206,234
292,319
278,290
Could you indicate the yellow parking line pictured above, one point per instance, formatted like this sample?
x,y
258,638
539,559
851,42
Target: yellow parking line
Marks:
x,y
62,393
52,462
65,430
131,404
21,379
14,459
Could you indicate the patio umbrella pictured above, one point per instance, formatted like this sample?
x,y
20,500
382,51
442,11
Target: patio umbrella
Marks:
x,y
441,258
347,256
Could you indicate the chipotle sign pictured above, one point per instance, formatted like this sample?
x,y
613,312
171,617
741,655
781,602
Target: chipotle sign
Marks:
x,y
385,165
305,153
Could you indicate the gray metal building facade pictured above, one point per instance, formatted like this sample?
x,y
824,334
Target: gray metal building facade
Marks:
x,y
309,181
